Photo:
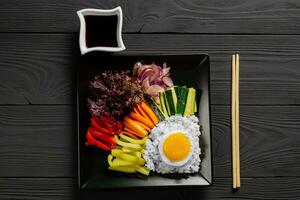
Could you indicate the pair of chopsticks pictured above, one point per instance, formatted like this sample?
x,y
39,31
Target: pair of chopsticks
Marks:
x,y
235,117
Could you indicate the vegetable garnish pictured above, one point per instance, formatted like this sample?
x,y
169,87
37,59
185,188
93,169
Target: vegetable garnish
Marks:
x,y
128,158
113,94
178,100
141,120
92,141
153,78
101,131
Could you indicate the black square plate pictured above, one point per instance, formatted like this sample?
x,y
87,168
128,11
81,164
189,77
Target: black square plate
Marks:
x,y
189,70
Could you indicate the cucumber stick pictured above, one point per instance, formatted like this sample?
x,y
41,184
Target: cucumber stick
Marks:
x,y
167,104
171,100
190,103
156,108
182,93
162,104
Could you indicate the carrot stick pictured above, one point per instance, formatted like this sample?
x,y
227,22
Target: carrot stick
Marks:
x,y
140,118
129,134
143,125
131,131
149,112
142,112
138,129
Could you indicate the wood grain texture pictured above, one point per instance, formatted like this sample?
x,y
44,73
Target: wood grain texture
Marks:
x,y
181,16
37,188
269,141
41,68
65,189
37,141
40,141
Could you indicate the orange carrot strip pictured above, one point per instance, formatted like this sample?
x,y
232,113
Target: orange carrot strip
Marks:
x,y
142,112
131,131
143,120
130,135
135,127
149,112
143,125
137,133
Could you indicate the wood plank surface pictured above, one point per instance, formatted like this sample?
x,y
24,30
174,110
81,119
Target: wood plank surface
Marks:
x,y
38,56
37,141
40,141
181,16
65,189
41,68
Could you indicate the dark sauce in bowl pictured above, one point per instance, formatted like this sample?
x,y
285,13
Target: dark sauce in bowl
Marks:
x,y
101,31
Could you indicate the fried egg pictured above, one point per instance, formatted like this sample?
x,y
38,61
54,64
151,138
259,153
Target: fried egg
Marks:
x,y
173,146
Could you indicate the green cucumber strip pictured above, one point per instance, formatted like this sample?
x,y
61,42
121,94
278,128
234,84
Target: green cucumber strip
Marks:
x,y
176,88
181,96
170,101
167,104
155,108
162,103
190,102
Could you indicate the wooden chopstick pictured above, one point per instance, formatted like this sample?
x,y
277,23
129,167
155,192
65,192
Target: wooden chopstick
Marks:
x,y
235,111
237,118
233,121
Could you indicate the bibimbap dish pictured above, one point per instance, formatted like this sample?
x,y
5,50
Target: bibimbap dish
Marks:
x,y
144,121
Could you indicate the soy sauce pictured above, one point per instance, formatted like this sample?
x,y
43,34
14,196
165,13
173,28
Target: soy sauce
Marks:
x,y
101,31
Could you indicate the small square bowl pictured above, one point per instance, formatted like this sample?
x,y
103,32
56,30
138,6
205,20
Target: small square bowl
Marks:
x,y
98,28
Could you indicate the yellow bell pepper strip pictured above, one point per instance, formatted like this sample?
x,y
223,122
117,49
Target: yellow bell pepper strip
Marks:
x,y
120,162
129,134
126,169
130,158
116,152
128,150
143,170
137,154
134,141
126,144
131,151
109,159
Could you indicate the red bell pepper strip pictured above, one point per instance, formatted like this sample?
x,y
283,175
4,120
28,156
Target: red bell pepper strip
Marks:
x,y
119,126
93,141
105,124
108,122
98,127
109,139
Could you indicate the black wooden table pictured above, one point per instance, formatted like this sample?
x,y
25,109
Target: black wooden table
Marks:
x,y
38,53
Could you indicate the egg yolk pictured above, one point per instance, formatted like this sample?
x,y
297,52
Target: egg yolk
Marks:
x,y
176,147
